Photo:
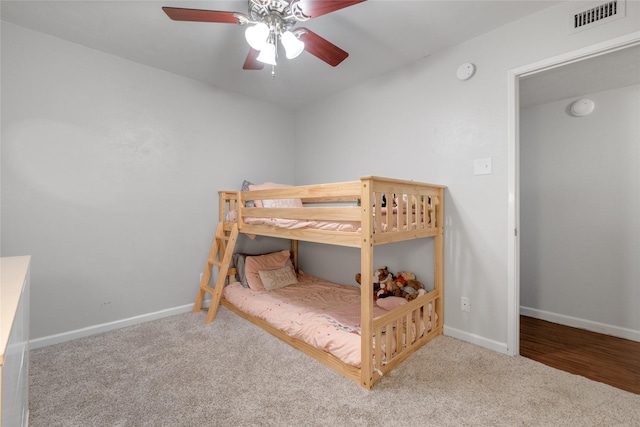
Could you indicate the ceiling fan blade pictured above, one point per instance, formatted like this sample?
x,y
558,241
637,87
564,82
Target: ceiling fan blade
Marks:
x,y
252,63
315,8
321,48
200,15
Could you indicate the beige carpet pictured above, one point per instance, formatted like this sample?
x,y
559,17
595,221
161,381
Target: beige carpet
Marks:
x,y
178,371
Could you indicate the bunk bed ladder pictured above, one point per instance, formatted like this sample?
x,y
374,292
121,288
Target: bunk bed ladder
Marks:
x,y
220,255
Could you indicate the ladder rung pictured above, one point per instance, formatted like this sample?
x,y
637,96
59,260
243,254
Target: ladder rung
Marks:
x,y
215,262
207,288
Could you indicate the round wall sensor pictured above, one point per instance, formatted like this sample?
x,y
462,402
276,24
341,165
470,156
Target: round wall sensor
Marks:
x,y
466,71
582,107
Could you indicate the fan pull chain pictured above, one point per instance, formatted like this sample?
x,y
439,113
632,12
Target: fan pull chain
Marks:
x,y
275,42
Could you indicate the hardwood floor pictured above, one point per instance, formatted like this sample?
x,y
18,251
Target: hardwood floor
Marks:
x,y
611,360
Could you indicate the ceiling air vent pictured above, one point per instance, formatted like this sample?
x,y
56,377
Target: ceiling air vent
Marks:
x,y
598,13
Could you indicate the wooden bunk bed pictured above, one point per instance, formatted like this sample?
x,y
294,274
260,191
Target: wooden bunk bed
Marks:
x,y
418,212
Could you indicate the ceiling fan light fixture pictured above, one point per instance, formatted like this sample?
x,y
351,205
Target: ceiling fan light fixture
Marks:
x,y
257,35
270,22
293,46
268,54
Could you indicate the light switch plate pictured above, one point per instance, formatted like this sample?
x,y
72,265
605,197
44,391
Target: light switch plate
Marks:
x,y
482,166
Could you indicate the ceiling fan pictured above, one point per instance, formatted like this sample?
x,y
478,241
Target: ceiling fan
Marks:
x,y
272,21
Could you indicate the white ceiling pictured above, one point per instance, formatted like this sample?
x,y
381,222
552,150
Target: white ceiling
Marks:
x,y
613,70
380,36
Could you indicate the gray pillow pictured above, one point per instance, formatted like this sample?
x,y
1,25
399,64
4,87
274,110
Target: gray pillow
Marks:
x,y
238,262
245,187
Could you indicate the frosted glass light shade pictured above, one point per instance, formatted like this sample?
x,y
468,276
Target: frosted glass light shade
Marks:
x,y
292,45
268,54
257,35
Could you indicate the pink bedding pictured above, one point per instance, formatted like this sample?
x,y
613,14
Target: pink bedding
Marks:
x,y
346,226
292,224
301,310
320,313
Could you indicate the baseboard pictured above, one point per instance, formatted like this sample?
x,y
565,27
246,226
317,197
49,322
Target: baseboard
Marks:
x,y
96,329
496,346
499,347
561,319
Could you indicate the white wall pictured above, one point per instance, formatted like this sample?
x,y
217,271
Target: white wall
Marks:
x,y
109,168
110,173
580,212
422,123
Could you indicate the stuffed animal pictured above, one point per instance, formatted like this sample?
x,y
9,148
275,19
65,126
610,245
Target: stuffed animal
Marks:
x,y
382,282
403,284
406,286
385,283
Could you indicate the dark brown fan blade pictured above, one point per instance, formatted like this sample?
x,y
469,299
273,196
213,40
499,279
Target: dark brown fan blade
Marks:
x,y
200,15
252,63
321,48
314,8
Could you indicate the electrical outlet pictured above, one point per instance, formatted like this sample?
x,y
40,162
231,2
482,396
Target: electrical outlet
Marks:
x,y
201,277
465,304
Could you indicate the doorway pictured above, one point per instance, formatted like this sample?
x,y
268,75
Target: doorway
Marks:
x,y
513,223
560,138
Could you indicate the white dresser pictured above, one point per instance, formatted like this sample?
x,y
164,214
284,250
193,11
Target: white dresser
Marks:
x,y
14,341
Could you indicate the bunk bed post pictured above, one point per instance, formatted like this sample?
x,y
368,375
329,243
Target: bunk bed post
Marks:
x,y
294,253
438,260
366,285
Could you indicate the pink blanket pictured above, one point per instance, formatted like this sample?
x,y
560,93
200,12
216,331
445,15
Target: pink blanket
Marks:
x,y
301,311
348,318
344,226
320,313
292,224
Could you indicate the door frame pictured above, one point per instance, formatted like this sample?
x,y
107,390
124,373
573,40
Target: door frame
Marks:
x,y
513,166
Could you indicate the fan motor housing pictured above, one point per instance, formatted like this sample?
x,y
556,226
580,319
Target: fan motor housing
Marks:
x,y
284,13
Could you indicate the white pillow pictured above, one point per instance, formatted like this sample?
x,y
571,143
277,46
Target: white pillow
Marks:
x,y
274,203
278,278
